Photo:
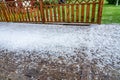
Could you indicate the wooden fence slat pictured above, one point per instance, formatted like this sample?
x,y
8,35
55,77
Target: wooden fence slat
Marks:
x,y
1,15
59,16
32,15
63,13
1,18
19,14
100,7
55,19
87,13
47,14
67,13
7,12
25,15
72,13
22,15
42,11
28,14
16,15
93,12
65,10
51,14
82,13
4,12
38,13
2,5
13,12
35,15
77,13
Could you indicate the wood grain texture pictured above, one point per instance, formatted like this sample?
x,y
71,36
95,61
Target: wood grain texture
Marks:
x,y
71,12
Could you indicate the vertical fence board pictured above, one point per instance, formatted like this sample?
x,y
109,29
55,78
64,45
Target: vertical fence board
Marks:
x,y
72,13
77,13
100,7
38,13
68,13
93,12
4,8
87,12
14,14
15,18
82,13
55,18
59,16
63,13
47,14
27,14
22,16
51,15
42,11
1,16
8,14
18,14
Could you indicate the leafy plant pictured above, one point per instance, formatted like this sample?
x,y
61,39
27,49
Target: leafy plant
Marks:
x,y
112,1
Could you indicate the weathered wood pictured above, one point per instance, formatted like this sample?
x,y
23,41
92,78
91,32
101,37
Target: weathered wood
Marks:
x,y
51,14
93,12
87,13
2,19
28,15
42,11
63,13
77,13
59,16
38,12
55,17
100,7
72,12
47,14
4,8
69,11
82,13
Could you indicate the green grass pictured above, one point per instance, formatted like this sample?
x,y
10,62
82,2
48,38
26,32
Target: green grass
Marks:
x,y
111,14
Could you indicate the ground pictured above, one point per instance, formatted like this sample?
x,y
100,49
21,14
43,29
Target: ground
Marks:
x,y
98,43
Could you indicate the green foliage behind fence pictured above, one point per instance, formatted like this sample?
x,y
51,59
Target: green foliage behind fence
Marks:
x,y
112,1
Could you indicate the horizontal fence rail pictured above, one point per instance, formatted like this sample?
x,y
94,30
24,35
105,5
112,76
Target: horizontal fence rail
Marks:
x,y
69,11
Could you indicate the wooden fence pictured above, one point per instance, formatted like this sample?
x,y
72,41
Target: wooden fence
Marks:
x,y
44,11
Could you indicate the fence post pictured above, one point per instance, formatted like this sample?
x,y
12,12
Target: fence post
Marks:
x,y
100,8
42,11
